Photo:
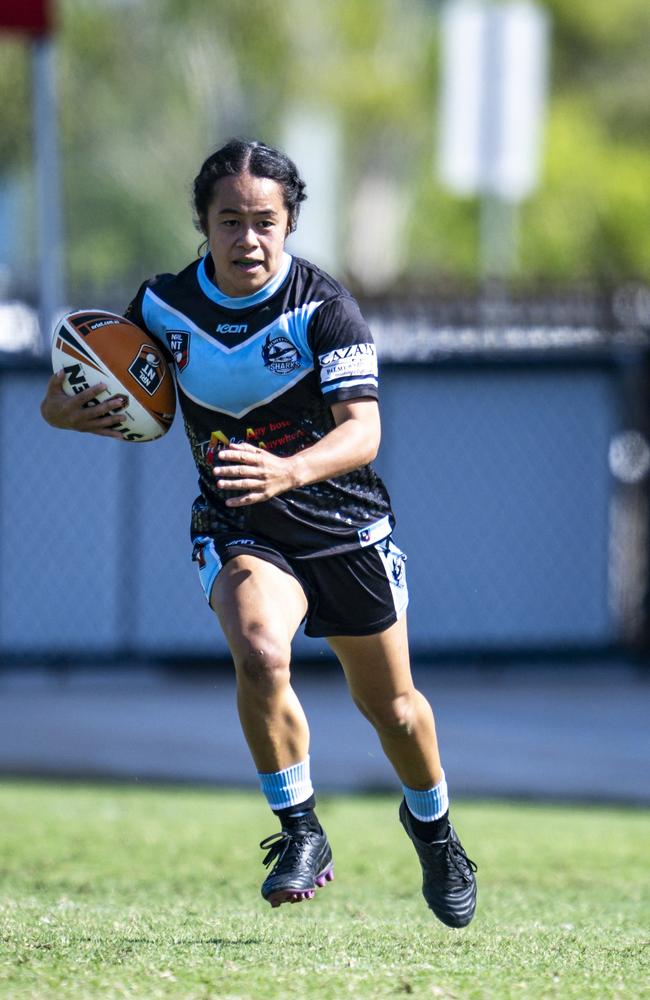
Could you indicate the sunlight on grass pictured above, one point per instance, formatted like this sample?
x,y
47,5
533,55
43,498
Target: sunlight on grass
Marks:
x,y
115,891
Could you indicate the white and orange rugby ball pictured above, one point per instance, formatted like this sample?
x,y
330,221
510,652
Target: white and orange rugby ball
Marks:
x,y
95,346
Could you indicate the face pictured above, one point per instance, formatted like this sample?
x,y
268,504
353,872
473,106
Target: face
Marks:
x,y
247,224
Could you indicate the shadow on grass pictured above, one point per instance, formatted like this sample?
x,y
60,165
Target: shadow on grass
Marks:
x,y
182,942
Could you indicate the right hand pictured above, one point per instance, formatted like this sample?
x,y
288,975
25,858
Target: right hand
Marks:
x,y
71,413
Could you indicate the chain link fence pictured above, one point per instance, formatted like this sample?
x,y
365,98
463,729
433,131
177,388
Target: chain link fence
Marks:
x,y
515,449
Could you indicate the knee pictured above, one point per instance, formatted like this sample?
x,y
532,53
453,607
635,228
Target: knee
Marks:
x,y
262,664
394,717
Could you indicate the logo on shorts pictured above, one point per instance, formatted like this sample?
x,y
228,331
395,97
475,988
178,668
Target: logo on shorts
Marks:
x,y
198,553
280,355
146,368
179,345
397,570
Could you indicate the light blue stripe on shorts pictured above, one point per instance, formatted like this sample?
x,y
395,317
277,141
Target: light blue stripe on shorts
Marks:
x,y
208,563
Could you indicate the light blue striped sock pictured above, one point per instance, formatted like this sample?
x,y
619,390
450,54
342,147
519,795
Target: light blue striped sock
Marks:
x,y
429,805
288,787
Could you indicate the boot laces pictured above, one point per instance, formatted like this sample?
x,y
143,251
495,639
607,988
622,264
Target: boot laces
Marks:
x,y
278,844
455,854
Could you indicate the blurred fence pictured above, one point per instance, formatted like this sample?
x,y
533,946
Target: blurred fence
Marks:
x,y
516,457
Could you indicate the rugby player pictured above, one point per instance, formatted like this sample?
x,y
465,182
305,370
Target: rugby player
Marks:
x,y
277,378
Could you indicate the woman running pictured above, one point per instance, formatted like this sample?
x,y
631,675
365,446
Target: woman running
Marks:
x,y
277,379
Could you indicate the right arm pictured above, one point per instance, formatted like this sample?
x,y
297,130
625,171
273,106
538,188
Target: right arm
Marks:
x,y
71,412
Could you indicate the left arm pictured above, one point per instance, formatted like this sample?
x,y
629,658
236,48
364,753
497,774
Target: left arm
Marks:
x,y
260,475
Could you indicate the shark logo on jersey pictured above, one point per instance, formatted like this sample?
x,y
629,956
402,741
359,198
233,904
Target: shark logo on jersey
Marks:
x,y
280,355
146,368
179,345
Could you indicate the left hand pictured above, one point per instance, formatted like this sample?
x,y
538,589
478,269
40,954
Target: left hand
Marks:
x,y
258,473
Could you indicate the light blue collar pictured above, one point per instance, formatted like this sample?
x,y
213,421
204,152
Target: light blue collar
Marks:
x,y
209,288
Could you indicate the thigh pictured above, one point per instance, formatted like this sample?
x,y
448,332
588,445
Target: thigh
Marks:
x,y
256,600
377,667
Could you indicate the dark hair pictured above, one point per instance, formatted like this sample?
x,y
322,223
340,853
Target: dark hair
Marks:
x,y
239,156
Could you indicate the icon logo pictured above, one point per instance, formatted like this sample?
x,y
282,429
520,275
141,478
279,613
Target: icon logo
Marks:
x,y
280,355
179,345
232,327
146,368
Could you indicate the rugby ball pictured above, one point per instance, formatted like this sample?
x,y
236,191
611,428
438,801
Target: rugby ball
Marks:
x,y
95,346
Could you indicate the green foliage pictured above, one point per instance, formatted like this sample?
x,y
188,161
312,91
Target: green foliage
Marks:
x,y
149,88
15,99
144,893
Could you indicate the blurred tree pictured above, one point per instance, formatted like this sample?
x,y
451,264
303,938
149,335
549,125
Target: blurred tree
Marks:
x,y
591,214
15,96
150,87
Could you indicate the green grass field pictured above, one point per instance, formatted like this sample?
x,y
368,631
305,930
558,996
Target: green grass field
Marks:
x,y
111,891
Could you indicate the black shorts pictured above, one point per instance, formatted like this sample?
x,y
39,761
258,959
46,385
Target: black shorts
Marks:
x,y
358,592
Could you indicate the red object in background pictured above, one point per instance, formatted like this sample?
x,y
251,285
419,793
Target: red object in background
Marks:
x,y
33,17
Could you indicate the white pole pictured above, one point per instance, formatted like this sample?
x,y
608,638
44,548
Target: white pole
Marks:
x,y
312,138
49,225
496,233
494,82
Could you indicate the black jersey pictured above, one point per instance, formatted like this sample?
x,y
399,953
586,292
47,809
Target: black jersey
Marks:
x,y
266,369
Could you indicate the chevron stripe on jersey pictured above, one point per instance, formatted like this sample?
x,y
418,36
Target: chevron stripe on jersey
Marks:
x,y
268,368
266,365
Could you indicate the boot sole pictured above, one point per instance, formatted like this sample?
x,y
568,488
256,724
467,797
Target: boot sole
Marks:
x,y
280,896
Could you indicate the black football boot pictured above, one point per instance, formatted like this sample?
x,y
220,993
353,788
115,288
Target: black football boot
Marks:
x,y
448,882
